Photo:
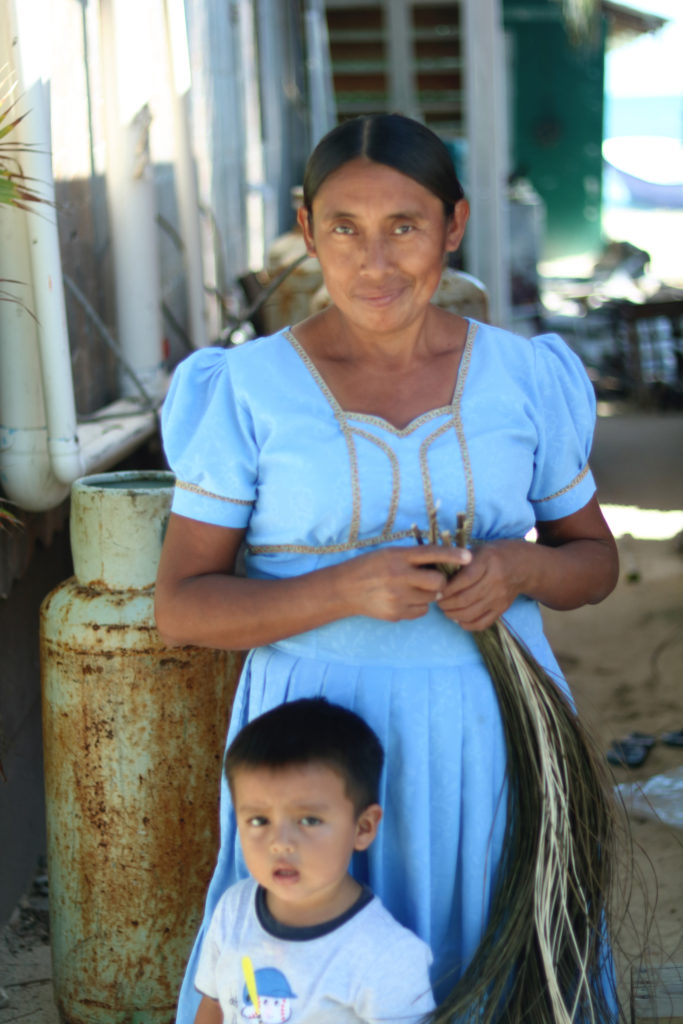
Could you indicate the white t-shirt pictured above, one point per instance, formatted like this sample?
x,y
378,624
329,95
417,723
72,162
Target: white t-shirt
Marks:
x,y
362,966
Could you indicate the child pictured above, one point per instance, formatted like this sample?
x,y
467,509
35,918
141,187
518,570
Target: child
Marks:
x,y
301,940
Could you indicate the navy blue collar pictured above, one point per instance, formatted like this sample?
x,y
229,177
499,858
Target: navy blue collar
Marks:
x,y
291,933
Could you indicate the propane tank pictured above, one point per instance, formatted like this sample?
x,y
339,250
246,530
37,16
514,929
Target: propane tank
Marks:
x,y
290,302
133,735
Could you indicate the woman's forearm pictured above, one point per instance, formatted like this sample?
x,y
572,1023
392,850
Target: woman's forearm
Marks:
x,y
233,613
200,601
577,560
571,575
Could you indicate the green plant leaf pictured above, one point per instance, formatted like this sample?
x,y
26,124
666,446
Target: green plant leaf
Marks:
x,y
8,190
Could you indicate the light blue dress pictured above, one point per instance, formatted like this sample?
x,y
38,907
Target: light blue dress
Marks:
x,y
257,440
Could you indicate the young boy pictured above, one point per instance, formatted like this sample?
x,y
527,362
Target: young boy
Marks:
x,y
301,940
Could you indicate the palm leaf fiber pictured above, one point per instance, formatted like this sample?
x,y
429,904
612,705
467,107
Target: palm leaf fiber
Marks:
x,y
544,957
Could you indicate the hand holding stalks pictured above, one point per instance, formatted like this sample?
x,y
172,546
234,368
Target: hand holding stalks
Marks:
x,y
397,583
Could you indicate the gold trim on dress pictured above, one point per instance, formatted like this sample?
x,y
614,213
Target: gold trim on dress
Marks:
x,y
340,416
316,549
347,424
183,485
577,480
395,475
454,423
463,370
366,417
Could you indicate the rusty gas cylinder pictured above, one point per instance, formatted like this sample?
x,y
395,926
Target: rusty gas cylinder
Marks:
x,y
290,301
133,734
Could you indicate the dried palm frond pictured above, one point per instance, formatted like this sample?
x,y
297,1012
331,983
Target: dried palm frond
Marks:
x,y
544,957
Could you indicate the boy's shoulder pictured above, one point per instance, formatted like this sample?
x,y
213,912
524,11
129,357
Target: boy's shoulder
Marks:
x,y
385,928
236,899
388,965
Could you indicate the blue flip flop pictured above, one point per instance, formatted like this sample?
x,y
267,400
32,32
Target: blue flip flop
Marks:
x,y
631,751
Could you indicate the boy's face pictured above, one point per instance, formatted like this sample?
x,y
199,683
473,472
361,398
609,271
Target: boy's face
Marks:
x,y
298,830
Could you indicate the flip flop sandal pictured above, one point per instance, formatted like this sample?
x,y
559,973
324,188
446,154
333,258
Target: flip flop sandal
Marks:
x,y
642,737
628,753
672,739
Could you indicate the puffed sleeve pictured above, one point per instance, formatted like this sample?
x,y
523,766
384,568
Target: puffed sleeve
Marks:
x,y
562,482
208,439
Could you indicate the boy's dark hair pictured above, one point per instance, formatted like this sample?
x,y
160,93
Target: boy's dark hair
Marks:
x,y
312,730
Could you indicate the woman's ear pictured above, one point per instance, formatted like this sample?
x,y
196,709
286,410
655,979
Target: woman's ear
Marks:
x,y
457,225
305,222
366,826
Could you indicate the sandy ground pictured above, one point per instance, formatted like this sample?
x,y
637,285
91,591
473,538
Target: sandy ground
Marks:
x,y
624,658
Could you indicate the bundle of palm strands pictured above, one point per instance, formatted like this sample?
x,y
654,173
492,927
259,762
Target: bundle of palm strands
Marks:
x,y
544,957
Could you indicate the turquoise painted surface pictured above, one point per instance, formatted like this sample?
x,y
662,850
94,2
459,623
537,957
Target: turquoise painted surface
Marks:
x,y
557,123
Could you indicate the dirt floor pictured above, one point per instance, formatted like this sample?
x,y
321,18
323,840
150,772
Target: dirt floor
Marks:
x,y
624,661
624,658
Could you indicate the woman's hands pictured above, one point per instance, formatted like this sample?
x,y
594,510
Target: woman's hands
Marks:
x,y
573,562
396,583
199,599
484,589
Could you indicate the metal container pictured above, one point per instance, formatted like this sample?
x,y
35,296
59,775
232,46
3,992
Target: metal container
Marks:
x,y
133,735
290,302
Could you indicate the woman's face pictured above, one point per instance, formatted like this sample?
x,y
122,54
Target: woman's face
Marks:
x,y
381,239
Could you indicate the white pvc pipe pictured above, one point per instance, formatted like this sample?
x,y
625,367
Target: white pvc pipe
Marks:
x,y
40,451
117,430
186,178
25,469
31,27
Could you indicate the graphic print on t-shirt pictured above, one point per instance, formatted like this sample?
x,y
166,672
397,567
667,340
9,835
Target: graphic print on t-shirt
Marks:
x,y
274,997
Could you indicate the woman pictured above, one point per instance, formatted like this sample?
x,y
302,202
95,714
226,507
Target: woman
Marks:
x,y
319,450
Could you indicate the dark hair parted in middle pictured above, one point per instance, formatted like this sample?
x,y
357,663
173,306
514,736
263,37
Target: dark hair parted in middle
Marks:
x,y
390,139
312,730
